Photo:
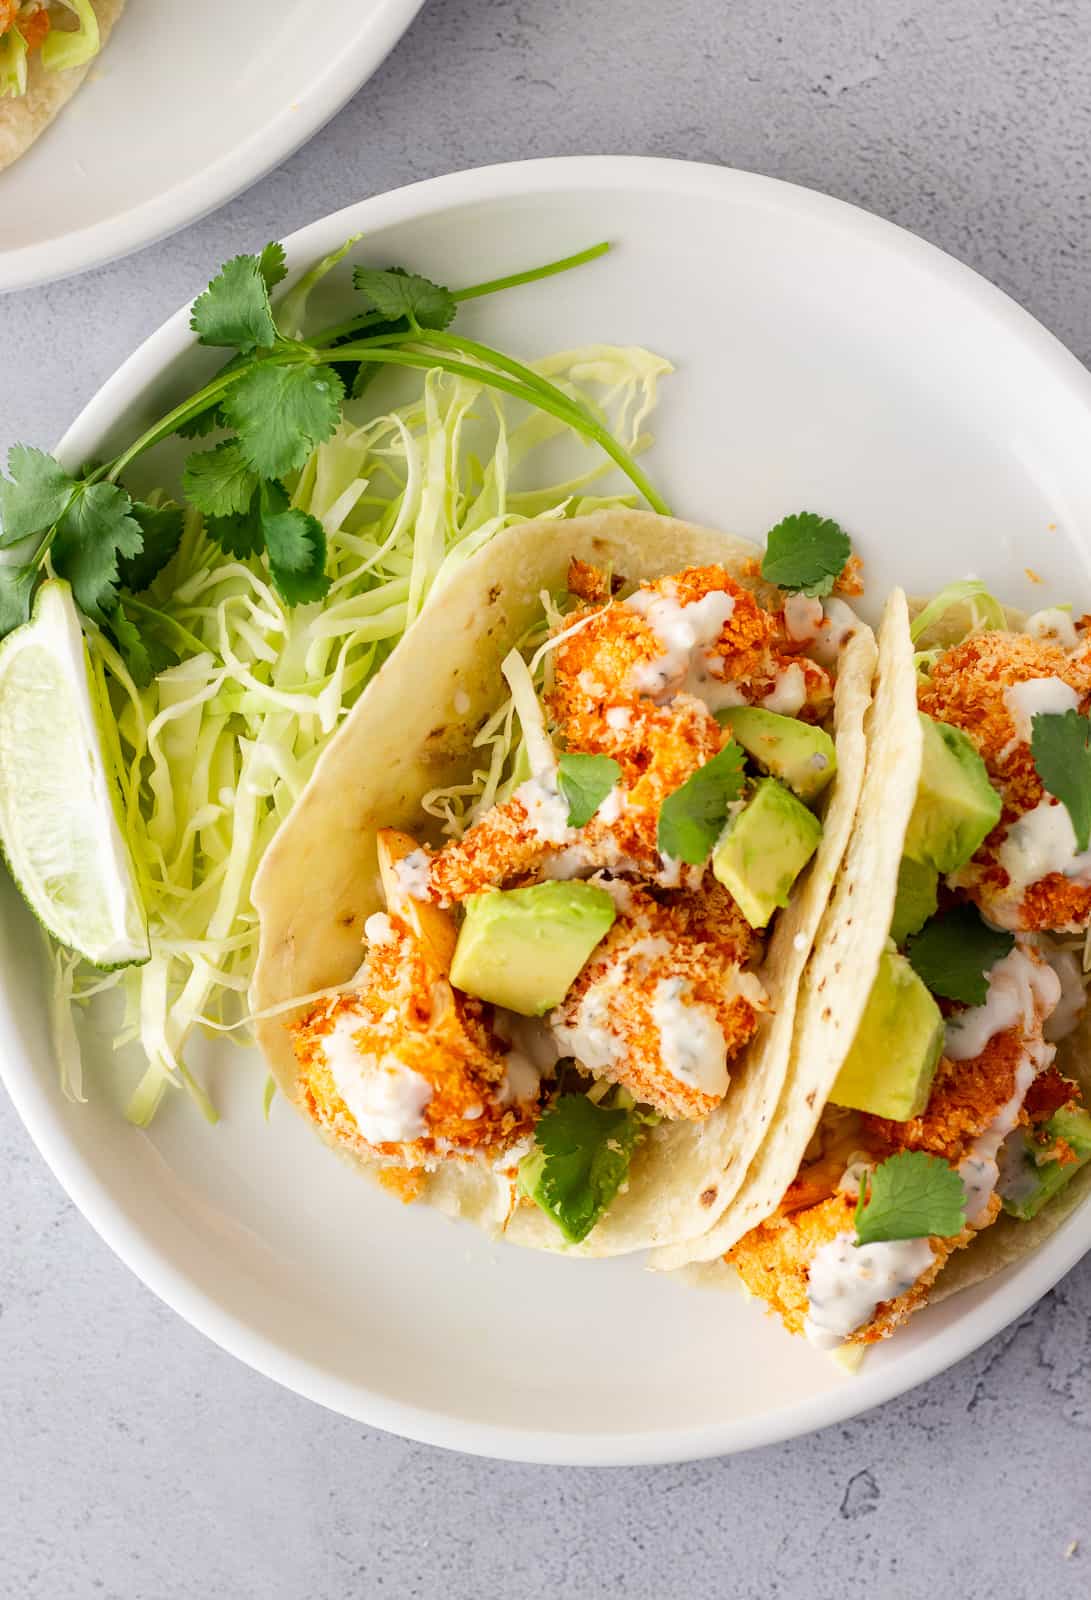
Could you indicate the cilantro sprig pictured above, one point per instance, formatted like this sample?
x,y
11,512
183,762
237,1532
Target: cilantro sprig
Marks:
x,y
805,553
277,398
693,817
911,1195
585,781
580,1160
954,951
1061,746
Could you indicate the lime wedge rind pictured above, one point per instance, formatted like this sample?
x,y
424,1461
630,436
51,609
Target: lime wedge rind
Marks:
x,y
59,829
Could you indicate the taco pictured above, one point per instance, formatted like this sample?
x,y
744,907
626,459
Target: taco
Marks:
x,y
582,828
933,1127
46,50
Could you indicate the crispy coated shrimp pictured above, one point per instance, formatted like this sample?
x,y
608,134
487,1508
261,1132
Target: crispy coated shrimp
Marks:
x,y
967,688
664,1004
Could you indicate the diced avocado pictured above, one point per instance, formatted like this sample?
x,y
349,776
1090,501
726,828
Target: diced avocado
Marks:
x,y
1026,1186
763,850
956,807
523,948
893,1058
798,754
916,900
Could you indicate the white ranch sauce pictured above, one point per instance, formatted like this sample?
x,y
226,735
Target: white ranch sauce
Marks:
x,y
1069,1008
691,1041
1034,698
378,929
978,1168
847,1282
413,874
1039,842
387,1099
618,718
686,632
802,618
790,693
1054,625
546,809
1020,989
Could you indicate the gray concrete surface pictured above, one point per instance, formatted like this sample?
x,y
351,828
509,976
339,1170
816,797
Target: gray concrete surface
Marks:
x,y
137,1461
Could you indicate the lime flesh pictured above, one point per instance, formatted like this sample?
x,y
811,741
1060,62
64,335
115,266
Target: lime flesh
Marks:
x,y
58,824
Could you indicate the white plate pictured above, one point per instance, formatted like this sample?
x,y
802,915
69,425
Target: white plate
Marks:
x,y
187,105
826,360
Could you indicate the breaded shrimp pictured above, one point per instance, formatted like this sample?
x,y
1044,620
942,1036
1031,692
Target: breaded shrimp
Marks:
x,y
774,1261
967,688
667,744
415,1073
967,1098
698,631
664,1004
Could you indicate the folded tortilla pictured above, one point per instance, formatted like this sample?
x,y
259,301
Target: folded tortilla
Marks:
x,y
846,956
319,881
22,119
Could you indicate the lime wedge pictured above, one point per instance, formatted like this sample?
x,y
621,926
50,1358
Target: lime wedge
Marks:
x,y
58,826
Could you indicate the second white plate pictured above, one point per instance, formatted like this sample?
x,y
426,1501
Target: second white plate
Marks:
x,y
186,106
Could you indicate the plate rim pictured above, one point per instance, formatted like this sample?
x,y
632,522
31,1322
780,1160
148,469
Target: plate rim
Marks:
x,y
1036,1275
215,185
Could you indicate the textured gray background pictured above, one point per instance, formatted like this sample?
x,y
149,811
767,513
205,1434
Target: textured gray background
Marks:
x,y
137,1462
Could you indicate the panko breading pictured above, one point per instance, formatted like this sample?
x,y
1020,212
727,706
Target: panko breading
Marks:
x,y
606,664
669,744
663,1004
410,1018
967,1096
966,688
774,1262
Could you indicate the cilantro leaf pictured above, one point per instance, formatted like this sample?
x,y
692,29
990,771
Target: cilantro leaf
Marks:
x,y
293,541
273,264
692,818
36,495
954,951
580,1159
396,294
911,1195
805,552
16,589
201,425
162,530
281,413
234,310
242,534
219,482
1060,745
144,655
296,546
95,531
585,781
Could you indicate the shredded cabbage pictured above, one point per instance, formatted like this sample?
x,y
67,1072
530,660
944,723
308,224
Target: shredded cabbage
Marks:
x,y
13,64
213,754
984,611
64,48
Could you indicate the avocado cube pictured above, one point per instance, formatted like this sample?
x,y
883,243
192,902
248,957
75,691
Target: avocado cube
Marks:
x,y
956,806
893,1058
1025,1186
916,899
524,948
798,754
763,850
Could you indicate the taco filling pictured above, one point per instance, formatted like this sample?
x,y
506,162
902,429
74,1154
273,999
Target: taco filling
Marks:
x,y
581,960
948,1111
61,34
